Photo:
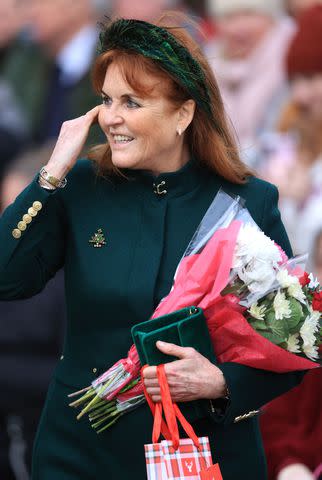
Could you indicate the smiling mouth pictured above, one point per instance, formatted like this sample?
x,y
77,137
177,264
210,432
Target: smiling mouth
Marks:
x,y
122,139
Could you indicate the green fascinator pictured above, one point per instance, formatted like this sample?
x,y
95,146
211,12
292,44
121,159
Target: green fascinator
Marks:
x,y
161,46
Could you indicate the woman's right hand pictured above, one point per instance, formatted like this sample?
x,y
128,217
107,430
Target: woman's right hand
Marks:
x,y
71,140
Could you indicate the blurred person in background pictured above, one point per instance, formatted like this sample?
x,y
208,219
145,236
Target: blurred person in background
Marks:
x,y
295,7
291,426
12,126
48,68
294,159
11,21
30,344
143,9
247,57
317,256
148,10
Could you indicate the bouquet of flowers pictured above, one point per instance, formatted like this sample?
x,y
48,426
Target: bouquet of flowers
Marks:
x,y
262,309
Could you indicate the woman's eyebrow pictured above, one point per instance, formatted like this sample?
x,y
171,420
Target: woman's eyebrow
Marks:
x,y
125,95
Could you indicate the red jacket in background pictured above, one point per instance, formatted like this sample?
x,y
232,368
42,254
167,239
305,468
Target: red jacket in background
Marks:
x,y
292,426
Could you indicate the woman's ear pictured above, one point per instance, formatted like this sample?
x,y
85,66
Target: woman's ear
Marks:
x,y
186,114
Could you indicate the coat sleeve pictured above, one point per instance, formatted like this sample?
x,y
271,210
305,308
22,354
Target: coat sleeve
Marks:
x,y
32,239
251,388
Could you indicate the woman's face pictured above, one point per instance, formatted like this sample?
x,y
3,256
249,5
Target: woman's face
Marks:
x,y
141,131
306,93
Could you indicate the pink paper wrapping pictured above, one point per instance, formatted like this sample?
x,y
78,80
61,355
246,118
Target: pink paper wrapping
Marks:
x,y
201,277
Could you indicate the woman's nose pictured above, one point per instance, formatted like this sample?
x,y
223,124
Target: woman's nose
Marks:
x,y
110,116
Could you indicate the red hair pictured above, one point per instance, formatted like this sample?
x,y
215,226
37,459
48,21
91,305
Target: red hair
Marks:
x,y
213,146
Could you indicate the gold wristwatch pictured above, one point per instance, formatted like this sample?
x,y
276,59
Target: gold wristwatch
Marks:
x,y
51,180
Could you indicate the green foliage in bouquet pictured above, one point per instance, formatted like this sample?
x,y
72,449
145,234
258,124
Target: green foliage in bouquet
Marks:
x,y
286,318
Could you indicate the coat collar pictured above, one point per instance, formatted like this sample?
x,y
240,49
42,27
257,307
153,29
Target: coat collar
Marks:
x,y
170,184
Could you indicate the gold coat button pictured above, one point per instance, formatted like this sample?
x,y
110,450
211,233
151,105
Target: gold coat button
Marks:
x,y
37,205
32,212
94,370
27,218
22,225
16,233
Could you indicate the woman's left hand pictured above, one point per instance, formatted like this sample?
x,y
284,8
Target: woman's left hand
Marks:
x,y
191,377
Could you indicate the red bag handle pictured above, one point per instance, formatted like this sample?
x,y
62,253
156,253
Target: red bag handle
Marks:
x,y
168,407
159,425
171,412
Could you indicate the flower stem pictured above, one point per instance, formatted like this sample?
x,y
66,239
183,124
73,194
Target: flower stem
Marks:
x,y
74,394
109,424
83,399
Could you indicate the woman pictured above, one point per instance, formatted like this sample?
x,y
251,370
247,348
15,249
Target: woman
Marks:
x,y
294,159
167,136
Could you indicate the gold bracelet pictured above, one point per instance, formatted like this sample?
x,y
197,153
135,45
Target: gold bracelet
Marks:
x,y
55,182
44,184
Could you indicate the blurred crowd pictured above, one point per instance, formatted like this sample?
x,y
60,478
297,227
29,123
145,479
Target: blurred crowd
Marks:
x,y
267,58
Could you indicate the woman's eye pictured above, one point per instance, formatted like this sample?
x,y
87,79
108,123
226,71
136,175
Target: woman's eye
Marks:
x,y
132,104
106,101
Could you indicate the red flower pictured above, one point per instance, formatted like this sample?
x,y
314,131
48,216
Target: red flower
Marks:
x,y
317,301
304,280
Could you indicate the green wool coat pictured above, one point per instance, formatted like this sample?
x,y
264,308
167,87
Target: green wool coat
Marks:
x,y
108,290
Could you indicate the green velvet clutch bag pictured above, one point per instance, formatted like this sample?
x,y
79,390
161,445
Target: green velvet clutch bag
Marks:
x,y
186,327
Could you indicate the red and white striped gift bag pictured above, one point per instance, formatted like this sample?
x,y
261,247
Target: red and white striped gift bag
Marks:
x,y
165,463
174,458
155,465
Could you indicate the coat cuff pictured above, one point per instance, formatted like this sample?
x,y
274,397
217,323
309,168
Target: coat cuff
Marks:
x,y
20,217
249,389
